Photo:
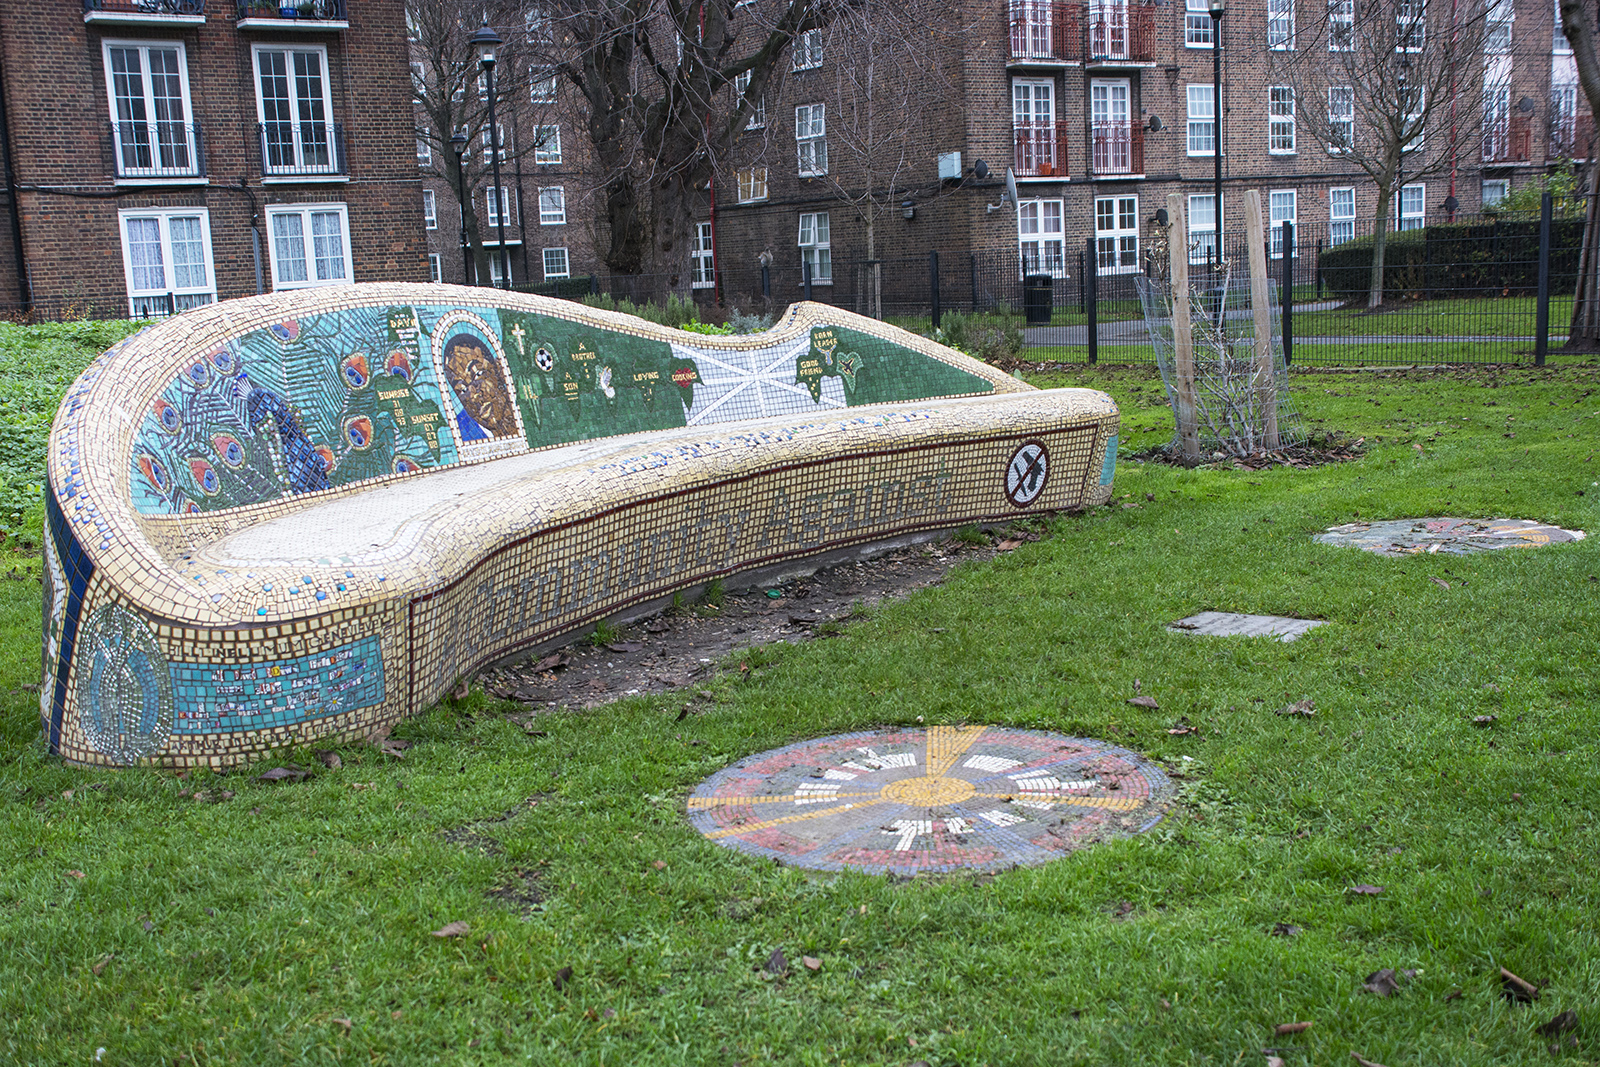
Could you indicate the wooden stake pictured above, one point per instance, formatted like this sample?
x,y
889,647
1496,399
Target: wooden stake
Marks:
x,y
1182,338
1261,308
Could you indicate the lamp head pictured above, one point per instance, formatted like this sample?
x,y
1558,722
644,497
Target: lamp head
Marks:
x,y
458,143
487,43
1218,8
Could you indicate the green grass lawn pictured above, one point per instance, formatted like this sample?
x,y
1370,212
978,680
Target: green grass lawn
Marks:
x,y
290,923
1512,316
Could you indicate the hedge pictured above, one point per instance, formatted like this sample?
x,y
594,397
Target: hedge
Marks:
x,y
1484,258
566,288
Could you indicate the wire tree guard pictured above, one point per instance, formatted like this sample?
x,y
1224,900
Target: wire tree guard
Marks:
x,y
1220,349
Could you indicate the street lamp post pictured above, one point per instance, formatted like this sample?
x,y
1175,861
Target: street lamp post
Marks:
x,y
486,41
458,144
1218,9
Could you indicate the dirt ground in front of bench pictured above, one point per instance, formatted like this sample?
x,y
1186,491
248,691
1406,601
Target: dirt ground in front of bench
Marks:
x,y
682,649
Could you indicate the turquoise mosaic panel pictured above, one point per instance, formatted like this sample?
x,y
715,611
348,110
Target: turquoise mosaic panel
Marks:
x,y
1108,468
226,698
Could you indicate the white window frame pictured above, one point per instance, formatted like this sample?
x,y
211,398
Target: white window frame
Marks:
x,y
1496,120
1497,28
752,182
1411,25
1413,216
1201,124
1041,236
1483,191
1341,25
150,137
541,90
501,275
1342,112
538,25
1341,222
1280,25
419,77
1281,120
807,50
1199,29
308,246
758,114
430,210
1415,116
547,260
811,140
297,126
487,137
424,152
816,247
1118,242
702,259
547,145
1282,206
1558,40
492,202
142,301
552,205
1200,239
435,268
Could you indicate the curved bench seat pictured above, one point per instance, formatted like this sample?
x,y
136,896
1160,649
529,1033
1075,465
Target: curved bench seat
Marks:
x,y
227,574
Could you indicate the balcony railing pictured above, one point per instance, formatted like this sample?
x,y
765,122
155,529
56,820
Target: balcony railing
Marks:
x,y
1118,148
1508,140
302,149
158,150
1041,151
156,11
1571,137
1112,31
292,14
1120,31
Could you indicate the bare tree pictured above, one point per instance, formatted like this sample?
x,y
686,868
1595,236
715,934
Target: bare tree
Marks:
x,y
450,96
1578,21
889,97
1396,88
651,75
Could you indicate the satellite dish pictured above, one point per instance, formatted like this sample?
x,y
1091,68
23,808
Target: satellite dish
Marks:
x,y
980,170
1011,188
1154,126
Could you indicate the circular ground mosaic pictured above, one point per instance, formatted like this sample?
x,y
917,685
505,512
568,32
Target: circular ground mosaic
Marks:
x,y
945,798
1407,537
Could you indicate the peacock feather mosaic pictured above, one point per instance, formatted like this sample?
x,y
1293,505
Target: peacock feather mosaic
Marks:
x,y
306,515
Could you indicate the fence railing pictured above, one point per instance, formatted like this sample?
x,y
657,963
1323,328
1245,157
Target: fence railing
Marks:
x,y
294,149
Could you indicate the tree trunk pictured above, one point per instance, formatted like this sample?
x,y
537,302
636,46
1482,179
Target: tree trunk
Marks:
x,y
1578,26
877,270
1380,239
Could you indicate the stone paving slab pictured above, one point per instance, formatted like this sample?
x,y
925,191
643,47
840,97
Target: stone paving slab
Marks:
x,y
937,800
1407,537
1231,624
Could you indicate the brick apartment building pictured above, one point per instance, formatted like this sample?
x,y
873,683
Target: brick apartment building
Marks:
x,y
161,154
1064,94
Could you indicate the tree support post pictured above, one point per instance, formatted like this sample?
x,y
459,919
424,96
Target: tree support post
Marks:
x,y
1182,340
1261,309
1541,343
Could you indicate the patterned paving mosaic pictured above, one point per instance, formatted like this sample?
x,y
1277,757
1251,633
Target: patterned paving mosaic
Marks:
x,y
1408,537
942,799
1233,624
306,515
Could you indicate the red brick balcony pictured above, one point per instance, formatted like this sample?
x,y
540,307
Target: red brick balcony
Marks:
x,y
1041,150
1045,31
1571,137
1118,148
1120,32
1508,140
1059,31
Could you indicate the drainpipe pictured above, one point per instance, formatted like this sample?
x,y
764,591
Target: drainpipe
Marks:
x,y
23,288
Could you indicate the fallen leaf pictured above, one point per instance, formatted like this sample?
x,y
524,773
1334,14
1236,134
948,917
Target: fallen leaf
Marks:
x,y
462,691
1283,1029
1454,994
561,978
1416,446
814,964
1144,702
329,758
100,964
598,685
1007,546
776,963
1363,1061
625,646
279,774
148,926
1484,720
557,659
1517,989
1365,890
455,929
1560,1024
1306,708
1122,910
684,714
1274,1061
346,1023
660,865
656,626
1284,930
1183,728
74,874
1383,983
66,794
1440,582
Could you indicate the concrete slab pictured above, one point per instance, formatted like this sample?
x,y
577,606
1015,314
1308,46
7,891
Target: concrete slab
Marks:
x,y
1230,624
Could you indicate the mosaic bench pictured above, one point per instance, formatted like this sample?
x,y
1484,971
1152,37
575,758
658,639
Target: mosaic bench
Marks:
x,y
308,515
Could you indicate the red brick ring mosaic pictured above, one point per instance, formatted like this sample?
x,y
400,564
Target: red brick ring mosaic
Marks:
x,y
936,800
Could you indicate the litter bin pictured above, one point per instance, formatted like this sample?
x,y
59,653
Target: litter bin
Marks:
x,y
1038,299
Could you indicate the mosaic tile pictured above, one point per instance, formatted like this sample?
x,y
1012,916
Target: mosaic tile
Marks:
x,y
1407,537
305,515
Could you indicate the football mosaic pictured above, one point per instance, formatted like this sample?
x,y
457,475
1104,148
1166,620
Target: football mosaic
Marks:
x,y
946,798
308,514
1409,537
